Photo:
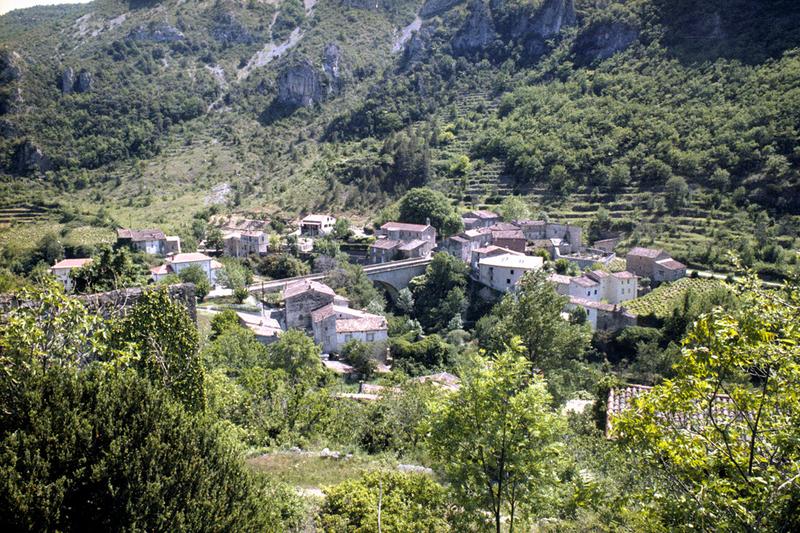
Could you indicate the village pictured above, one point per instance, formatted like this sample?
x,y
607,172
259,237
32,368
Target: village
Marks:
x,y
497,253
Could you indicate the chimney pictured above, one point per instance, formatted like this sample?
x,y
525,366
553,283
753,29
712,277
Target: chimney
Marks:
x,y
428,221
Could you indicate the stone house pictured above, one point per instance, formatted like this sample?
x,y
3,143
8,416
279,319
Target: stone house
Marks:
x,y
486,251
335,325
603,316
598,286
317,225
245,243
303,297
513,239
462,245
502,272
479,219
567,237
397,240
62,269
151,241
655,264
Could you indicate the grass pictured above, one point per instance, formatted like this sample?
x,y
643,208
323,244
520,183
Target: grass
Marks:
x,y
662,300
309,471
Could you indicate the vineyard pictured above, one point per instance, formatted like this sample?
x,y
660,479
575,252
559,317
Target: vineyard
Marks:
x,y
661,301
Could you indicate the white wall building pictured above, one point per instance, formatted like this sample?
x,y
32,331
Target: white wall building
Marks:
x,y
179,262
502,272
62,269
316,225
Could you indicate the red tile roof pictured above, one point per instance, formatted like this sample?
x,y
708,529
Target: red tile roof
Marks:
x,y
72,263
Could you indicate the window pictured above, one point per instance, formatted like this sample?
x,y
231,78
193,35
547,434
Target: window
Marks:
x,y
370,337
348,337
512,272
588,293
508,281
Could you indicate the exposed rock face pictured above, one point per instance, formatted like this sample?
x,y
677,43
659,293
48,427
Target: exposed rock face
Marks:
x,y
331,65
547,22
418,44
80,84
228,30
478,31
10,67
67,81
29,158
432,8
603,40
84,82
156,32
300,85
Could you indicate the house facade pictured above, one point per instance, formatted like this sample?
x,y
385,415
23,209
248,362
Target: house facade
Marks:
x,y
317,225
334,326
245,243
303,297
150,241
603,316
655,264
398,240
179,262
502,272
479,219
598,286
62,269
567,237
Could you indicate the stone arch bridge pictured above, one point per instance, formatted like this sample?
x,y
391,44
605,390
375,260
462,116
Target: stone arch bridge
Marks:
x,y
392,276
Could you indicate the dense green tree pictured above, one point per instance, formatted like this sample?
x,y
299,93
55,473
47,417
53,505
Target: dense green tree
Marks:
x,y
496,440
422,356
420,205
235,276
514,208
196,275
723,432
439,294
385,501
676,192
361,356
87,442
350,281
282,266
296,354
533,313
405,301
234,349
110,269
222,322
167,345
214,239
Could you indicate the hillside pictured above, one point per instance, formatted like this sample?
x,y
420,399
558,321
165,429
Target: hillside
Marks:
x,y
679,119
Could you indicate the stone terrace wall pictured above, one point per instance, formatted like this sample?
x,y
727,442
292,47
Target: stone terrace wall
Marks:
x,y
116,303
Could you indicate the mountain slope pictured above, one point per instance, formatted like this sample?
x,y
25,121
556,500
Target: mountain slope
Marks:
x,y
679,117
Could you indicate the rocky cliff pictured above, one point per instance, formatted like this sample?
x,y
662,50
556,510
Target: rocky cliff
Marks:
x,y
300,85
602,40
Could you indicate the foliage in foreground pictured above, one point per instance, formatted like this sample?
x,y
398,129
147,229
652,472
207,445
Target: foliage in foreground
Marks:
x,y
497,440
724,433
87,441
385,501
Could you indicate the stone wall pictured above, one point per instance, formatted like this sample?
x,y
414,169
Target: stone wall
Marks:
x,y
116,303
